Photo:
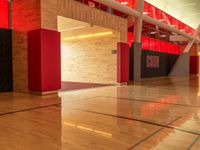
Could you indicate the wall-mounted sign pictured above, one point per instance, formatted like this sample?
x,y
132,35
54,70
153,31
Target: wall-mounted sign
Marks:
x,y
114,52
156,64
152,61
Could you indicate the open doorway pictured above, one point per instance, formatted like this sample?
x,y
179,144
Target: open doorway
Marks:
x,y
88,54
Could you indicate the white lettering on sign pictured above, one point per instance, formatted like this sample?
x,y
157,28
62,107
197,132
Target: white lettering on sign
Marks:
x,y
152,61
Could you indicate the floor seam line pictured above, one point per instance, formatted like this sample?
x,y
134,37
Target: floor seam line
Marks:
x,y
28,109
133,99
135,145
169,127
193,143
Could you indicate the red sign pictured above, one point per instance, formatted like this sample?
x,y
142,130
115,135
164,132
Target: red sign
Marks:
x,y
152,61
4,14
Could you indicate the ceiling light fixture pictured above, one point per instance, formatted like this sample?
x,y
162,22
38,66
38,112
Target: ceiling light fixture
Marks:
x,y
87,36
163,35
124,3
69,29
145,13
161,20
153,32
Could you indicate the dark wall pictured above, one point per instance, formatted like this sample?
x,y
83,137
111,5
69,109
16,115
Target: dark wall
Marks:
x,y
155,64
6,81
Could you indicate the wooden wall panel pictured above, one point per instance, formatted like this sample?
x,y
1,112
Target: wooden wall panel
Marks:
x,y
20,63
25,17
78,11
49,13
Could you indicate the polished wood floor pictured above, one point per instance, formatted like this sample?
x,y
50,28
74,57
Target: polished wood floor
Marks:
x,y
160,114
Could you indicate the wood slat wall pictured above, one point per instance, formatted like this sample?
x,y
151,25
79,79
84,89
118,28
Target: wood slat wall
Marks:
x,y
50,9
90,60
20,62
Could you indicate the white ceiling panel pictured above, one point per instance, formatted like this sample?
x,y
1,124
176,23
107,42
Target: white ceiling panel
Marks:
x,y
187,11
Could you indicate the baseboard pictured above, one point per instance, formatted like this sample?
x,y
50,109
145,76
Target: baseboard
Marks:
x,y
44,93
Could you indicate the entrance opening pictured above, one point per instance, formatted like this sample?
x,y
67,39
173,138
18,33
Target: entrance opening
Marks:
x,y
88,54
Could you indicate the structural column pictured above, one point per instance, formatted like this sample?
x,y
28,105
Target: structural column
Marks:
x,y
137,46
182,65
44,67
122,62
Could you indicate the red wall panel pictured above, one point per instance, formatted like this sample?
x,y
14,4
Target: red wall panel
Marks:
x,y
44,65
145,43
156,45
34,61
51,60
194,64
122,62
4,14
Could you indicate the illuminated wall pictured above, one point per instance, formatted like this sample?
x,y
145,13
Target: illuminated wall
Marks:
x,y
90,59
4,14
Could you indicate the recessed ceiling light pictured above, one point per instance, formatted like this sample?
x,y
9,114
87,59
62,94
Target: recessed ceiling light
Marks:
x,y
161,20
145,13
153,32
87,36
163,35
124,3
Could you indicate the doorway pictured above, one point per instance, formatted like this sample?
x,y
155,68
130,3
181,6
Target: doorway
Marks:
x,y
88,54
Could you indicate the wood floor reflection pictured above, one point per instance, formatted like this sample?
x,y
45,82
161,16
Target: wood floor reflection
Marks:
x,y
160,114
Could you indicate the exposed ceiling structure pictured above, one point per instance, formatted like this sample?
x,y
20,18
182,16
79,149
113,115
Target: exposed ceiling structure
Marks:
x,y
187,11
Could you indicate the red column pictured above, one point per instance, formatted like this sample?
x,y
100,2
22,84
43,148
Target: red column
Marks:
x,y
44,64
122,62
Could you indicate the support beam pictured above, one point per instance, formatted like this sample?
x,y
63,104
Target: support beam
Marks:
x,y
182,65
188,47
130,11
177,38
138,22
137,48
165,26
118,6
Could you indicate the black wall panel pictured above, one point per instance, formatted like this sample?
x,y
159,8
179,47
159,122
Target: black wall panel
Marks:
x,y
166,62
6,80
131,65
